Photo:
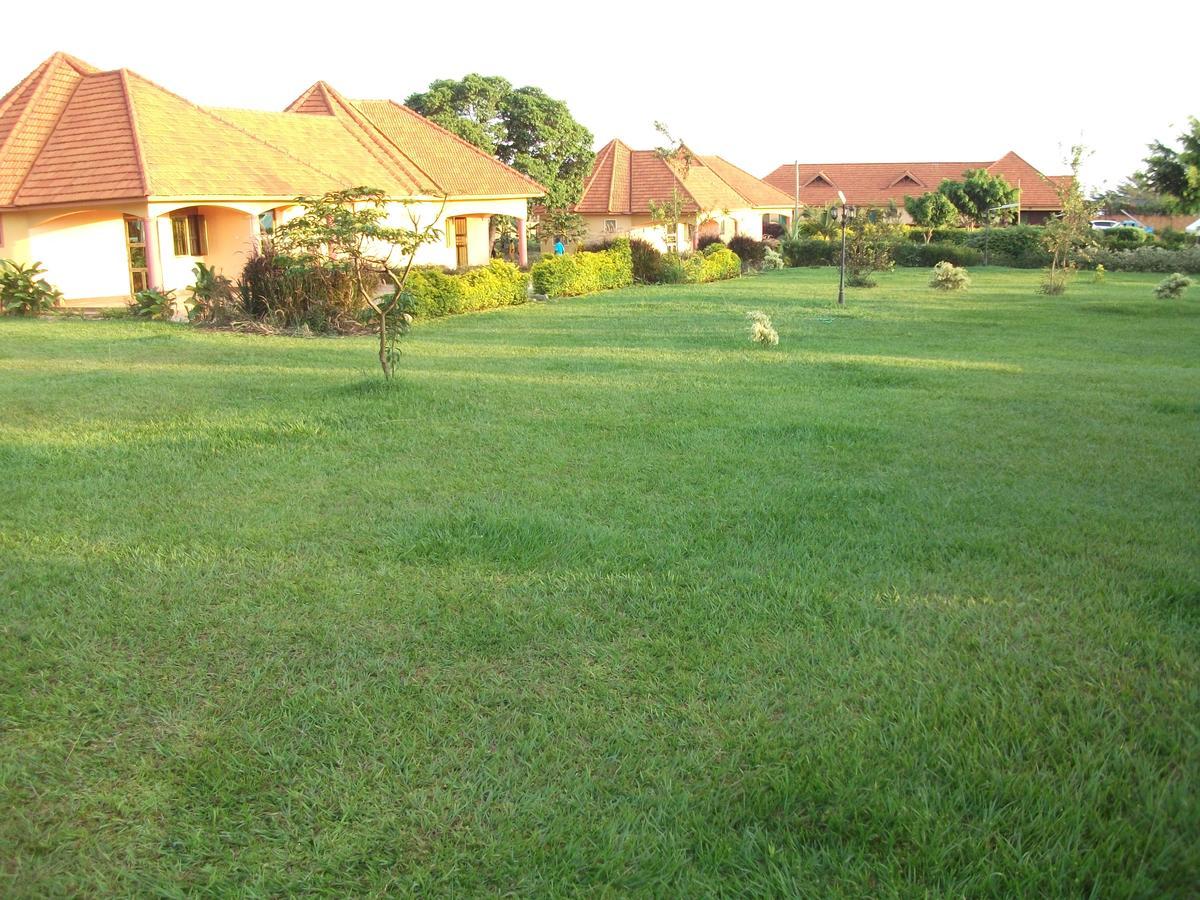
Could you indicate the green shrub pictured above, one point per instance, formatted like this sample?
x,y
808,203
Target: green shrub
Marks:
x,y
673,270
23,292
1149,259
1018,246
1170,239
762,331
810,252
1124,236
437,293
154,305
940,235
772,260
749,251
287,293
647,262
708,240
214,299
949,277
1172,287
714,265
572,275
923,256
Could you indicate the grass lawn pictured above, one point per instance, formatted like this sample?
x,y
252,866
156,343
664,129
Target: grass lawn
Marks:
x,y
599,598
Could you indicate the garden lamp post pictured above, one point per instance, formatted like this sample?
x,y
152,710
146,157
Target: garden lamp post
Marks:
x,y
987,227
842,268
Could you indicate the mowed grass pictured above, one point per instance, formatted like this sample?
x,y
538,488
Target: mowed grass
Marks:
x,y
598,598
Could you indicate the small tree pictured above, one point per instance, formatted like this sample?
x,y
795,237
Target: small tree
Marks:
x,y
562,223
978,192
869,246
345,231
672,213
1069,231
930,211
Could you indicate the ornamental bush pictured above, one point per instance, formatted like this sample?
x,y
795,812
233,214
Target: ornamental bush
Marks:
x,y
810,252
707,240
719,265
922,256
1172,287
436,293
575,274
749,251
772,260
23,290
647,262
1019,246
1148,259
949,277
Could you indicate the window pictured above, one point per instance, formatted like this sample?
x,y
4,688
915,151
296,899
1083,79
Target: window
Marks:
x,y
188,233
671,233
266,221
610,226
139,266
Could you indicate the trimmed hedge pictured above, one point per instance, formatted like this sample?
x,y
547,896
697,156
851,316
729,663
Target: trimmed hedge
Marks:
x,y
1148,259
1019,246
436,293
712,265
574,274
810,252
924,256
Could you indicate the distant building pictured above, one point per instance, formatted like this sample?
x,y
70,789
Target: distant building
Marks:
x,y
877,184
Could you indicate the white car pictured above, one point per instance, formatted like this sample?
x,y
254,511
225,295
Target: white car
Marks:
x,y
1103,224
1194,228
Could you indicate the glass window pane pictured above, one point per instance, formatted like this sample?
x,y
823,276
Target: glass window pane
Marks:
x,y
135,229
139,281
137,257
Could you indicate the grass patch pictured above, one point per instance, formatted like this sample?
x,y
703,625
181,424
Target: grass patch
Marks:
x,y
597,597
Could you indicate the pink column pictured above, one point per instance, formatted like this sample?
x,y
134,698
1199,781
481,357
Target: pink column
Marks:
x,y
151,227
522,244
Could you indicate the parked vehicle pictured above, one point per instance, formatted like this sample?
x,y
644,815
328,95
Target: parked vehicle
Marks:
x,y
1104,224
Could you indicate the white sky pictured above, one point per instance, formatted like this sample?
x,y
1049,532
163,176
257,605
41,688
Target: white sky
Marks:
x,y
869,82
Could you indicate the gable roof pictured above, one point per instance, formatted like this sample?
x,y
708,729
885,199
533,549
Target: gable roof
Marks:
x,y
626,181
70,133
875,184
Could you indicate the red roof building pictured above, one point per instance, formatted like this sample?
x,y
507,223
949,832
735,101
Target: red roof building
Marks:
x,y
878,184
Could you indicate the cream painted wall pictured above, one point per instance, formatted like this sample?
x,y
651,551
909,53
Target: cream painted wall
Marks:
x,y
733,222
84,254
442,252
231,235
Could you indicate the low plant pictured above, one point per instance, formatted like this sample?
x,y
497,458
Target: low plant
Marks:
x,y
575,274
214,298
748,250
772,260
708,240
647,262
1054,282
150,304
1099,274
949,277
1172,287
762,331
23,290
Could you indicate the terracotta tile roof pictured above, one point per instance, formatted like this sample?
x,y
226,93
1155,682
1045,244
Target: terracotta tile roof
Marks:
x,y
69,133
874,184
456,167
626,181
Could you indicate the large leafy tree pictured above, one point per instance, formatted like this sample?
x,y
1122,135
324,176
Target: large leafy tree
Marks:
x,y
930,211
524,127
978,192
1175,173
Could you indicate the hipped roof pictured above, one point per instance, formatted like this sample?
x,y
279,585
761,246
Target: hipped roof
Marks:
x,y
875,184
70,133
626,181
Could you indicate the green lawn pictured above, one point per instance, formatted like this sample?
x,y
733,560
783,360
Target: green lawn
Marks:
x,y
601,599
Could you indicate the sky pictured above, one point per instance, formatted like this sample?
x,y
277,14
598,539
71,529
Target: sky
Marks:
x,y
761,84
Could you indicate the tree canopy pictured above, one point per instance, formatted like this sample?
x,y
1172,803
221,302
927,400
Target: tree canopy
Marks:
x,y
930,211
1175,173
978,192
522,126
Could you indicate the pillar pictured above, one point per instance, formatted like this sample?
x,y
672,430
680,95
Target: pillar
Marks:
x,y
150,228
522,244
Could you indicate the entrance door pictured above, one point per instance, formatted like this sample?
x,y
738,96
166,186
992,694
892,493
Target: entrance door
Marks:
x,y
135,241
460,241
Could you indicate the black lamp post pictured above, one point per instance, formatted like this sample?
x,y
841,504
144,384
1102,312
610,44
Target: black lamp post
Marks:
x,y
842,268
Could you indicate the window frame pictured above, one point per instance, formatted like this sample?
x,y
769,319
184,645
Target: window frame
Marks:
x,y
189,233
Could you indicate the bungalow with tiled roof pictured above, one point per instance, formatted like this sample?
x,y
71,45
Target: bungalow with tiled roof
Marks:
x,y
878,184
116,184
719,198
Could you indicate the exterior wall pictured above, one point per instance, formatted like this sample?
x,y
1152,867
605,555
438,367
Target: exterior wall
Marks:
x,y
84,254
729,224
478,213
231,238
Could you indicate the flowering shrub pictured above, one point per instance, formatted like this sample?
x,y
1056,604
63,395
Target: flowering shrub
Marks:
x,y
772,260
762,332
949,277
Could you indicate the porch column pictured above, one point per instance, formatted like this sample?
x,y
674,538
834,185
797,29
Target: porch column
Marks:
x,y
150,227
522,245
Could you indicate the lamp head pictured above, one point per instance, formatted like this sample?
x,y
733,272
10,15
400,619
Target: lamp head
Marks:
x,y
841,198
